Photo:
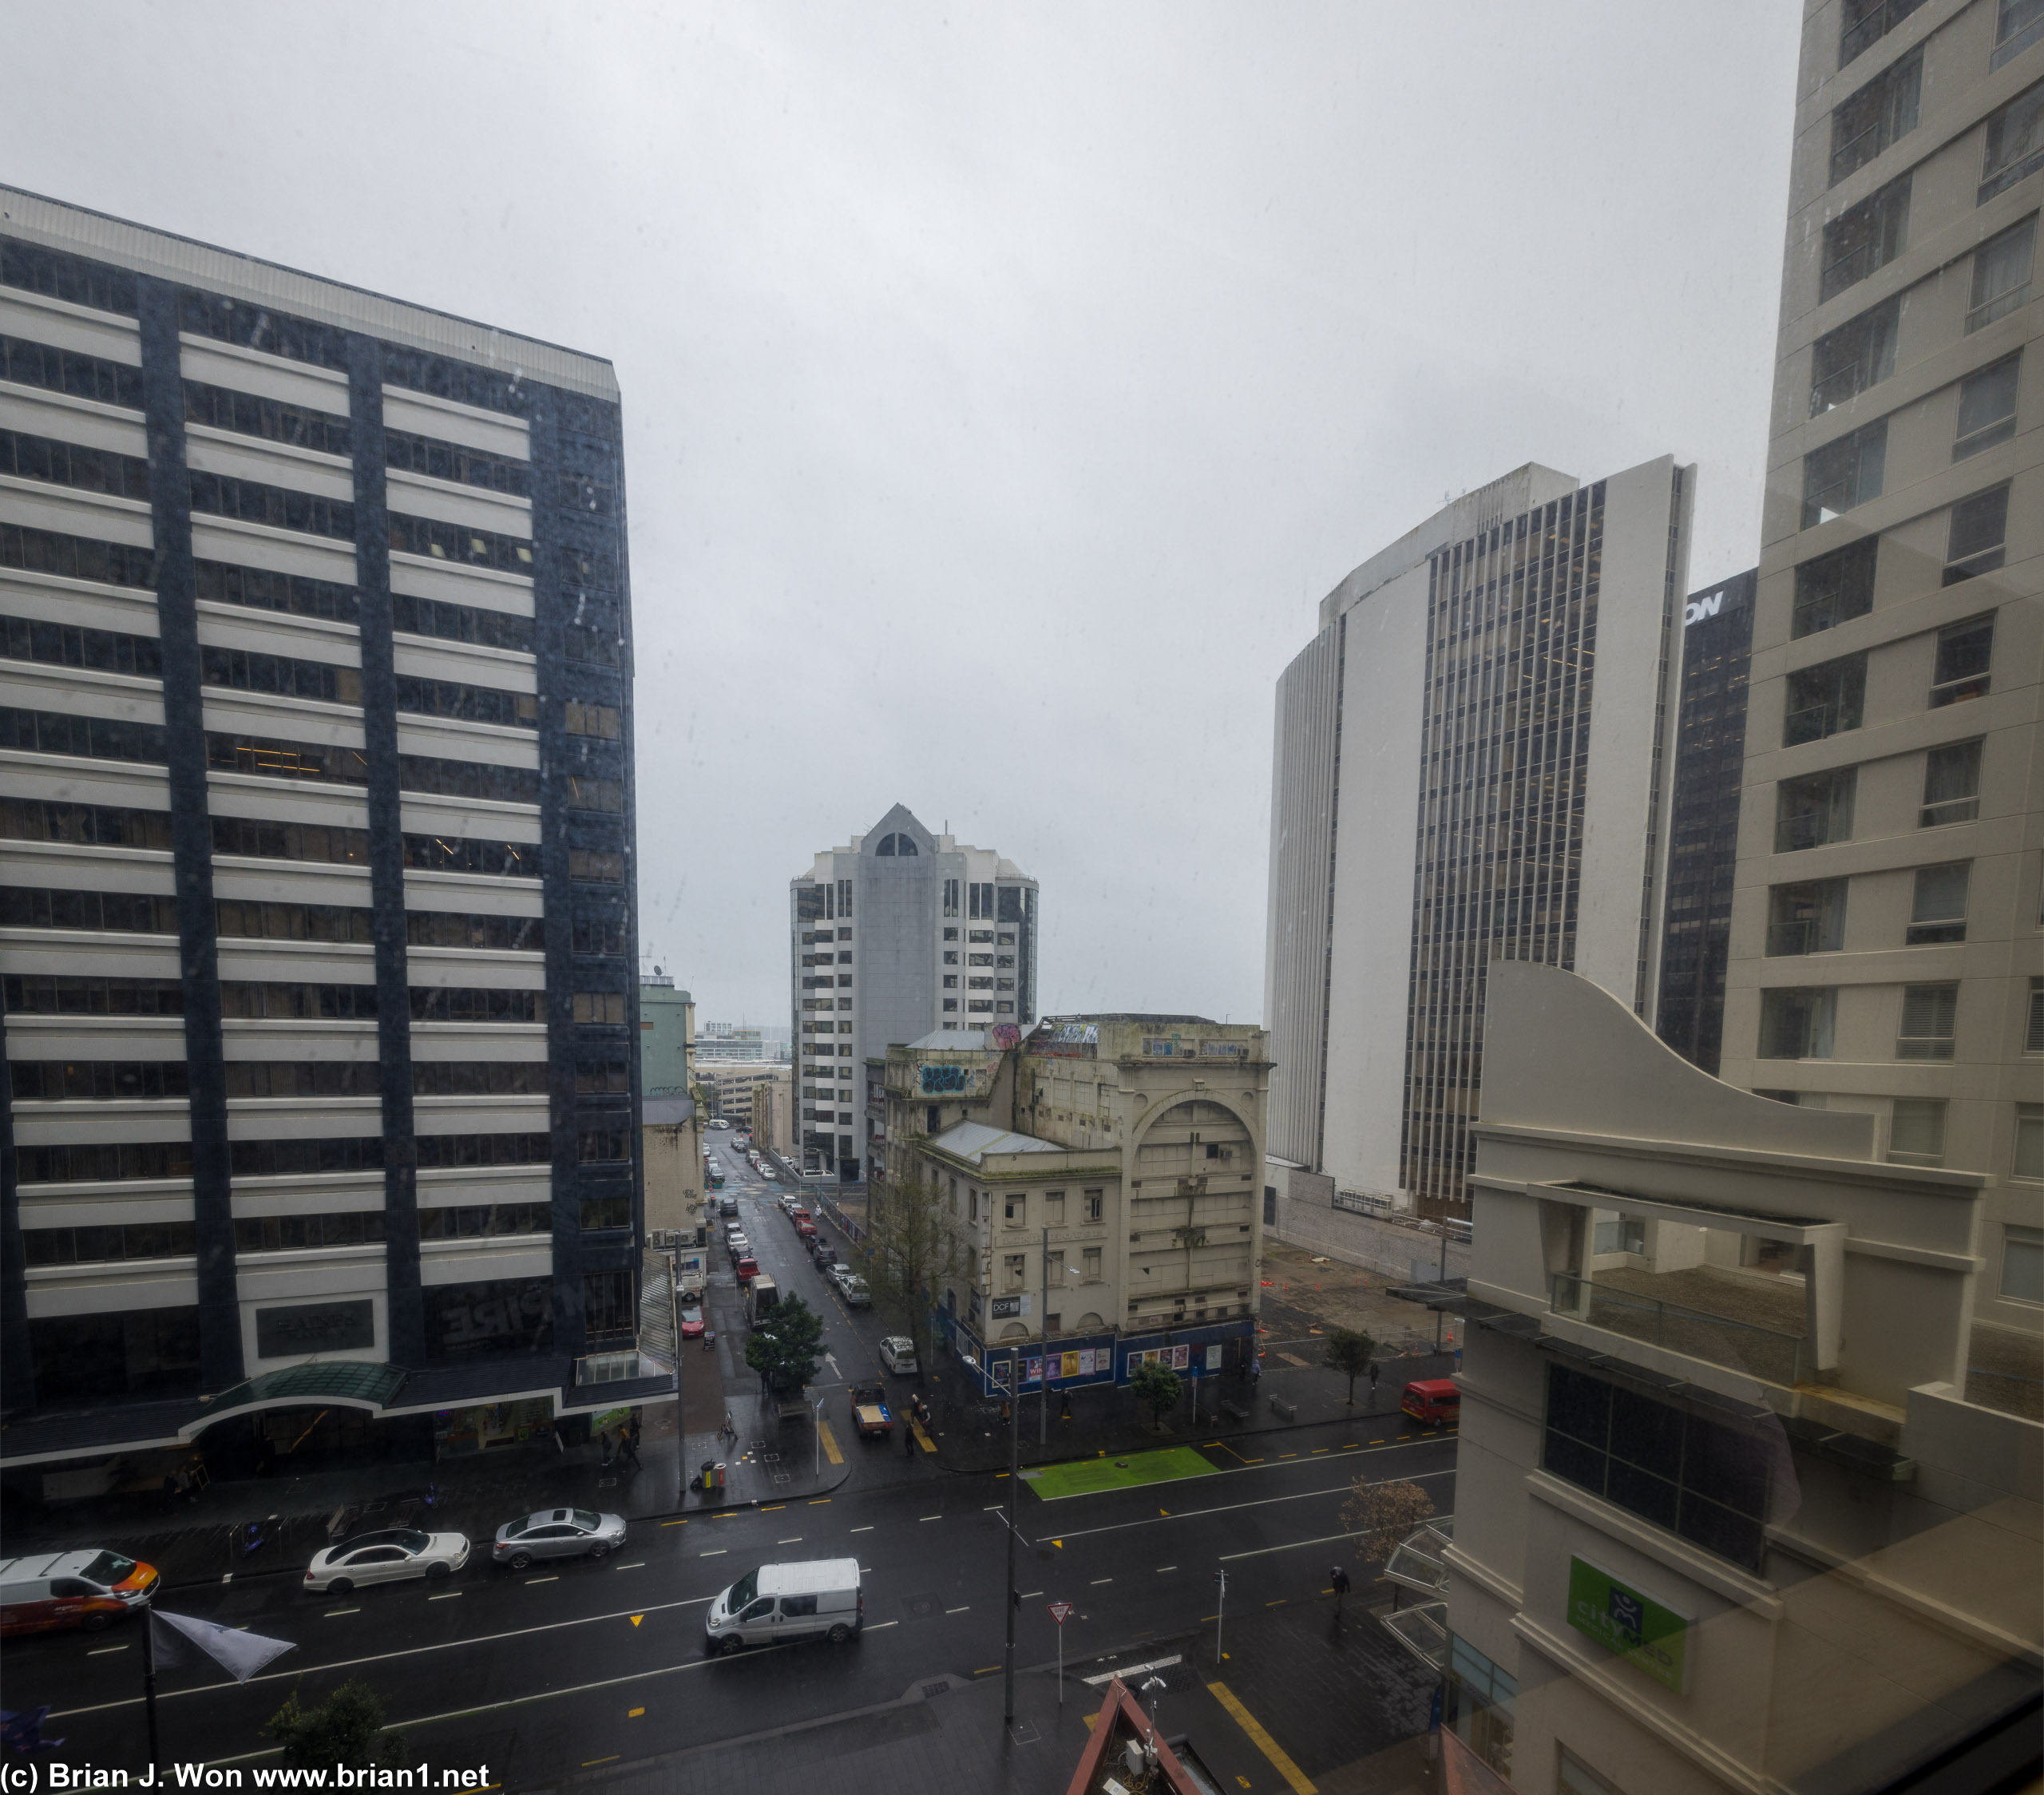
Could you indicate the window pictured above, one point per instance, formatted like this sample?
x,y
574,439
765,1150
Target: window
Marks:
x,y
54,1080
65,370
603,1145
1866,122
2018,24
596,866
950,904
1807,918
1929,1013
1965,650
2001,269
1796,1022
950,935
2032,1033
950,1003
1951,785
1620,1235
1054,1208
1016,1266
584,793
607,1302
590,719
1835,589
600,1006
1089,1264
1939,912
1987,407
599,1213
1980,533
285,1234
448,698
2028,1161
1845,473
2015,143
1825,699
136,1240
1096,1200
1573,1777
1814,810
978,935
1015,1210
1864,237
1700,1478
951,982
985,1003
1916,1132
1864,23
845,895
591,934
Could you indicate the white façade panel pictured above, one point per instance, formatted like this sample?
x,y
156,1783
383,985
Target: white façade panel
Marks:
x,y
250,794
245,1038
127,611
95,1037
492,744
71,866
455,967
426,658
303,1119
34,504
418,576
465,818
447,1041
67,1212
484,1262
480,1116
477,894
322,1194
64,953
275,551
1635,700
87,422
62,778
270,376
84,1123
261,962
108,1289
62,325
80,692
236,457
416,496
279,632
449,420
280,881
290,719
1370,966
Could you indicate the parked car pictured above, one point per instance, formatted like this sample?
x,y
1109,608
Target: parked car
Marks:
x,y
819,1599
727,1205
825,1255
770,1174
739,1246
797,1214
852,1288
870,1412
557,1533
388,1556
45,1591
898,1353
747,1269
691,1324
1433,1401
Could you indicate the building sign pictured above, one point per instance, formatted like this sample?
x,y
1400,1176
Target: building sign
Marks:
x,y
1001,1309
1732,596
941,1081
1635,1627
315,1327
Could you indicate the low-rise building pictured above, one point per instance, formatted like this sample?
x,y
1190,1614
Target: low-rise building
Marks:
x,y
666,1036
1098,1184
731,1040
732,1083
1745,1499
770,1112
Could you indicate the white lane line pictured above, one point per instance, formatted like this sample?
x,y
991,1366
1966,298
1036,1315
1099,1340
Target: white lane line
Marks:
x,y
1291,1546
930,1517
793,1540
551,1577
1129,1670
335,1614
1224,1509
718,1553
861,1530
636,1564
874,1626
967,1609
994,1508
451,1595
1098,1581
1162,1568
1030,1595
100,1651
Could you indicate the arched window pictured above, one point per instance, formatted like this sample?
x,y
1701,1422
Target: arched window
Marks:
x,y
904,846
886,845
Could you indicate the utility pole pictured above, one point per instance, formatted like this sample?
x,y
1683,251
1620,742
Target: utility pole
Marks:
x,y
1044,1382
1220,1618
1443,1279
1014,1466
149,1681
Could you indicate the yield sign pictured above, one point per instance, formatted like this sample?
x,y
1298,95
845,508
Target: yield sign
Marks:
x,y
1059,1611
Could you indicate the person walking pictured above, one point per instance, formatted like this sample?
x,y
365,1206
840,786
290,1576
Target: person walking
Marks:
x,y
1376,1371
908,1434
627,1446
610,1451
1340,1579
1255,1371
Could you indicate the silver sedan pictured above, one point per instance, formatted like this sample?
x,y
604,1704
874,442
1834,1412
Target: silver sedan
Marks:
x,y
556,1533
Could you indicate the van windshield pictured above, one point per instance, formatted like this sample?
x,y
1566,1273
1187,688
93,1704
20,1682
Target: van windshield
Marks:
x,y
108,1569
742,1591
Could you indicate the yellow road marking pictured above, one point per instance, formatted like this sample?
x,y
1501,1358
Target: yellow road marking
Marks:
x,y
1300,1783
818,1501
588,1762
674,1523
636,1618
635,1713
830,1445
987,1670
772,1507
1230,1450
923,1439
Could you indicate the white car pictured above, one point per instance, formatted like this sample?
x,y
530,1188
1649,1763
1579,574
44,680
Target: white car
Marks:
x,y
852,1287
898,1353
388,1556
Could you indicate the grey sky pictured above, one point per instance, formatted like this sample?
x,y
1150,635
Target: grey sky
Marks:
x,y
1002,385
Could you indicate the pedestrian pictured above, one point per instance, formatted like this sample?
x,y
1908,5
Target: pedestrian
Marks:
x,y
628,1443
1339,1579
1255,1371
1064,1405
908,1435
1375,1372
610,1451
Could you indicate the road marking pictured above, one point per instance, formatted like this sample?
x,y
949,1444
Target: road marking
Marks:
x,y
1288,1454
1261,1740
819,1501
1228,1508
1162,1568
1128,1671
773,1508
1291,1546
986,1670
1318,1450
636,1564
633,1713
994,1508
830,1445
553,1577
793,1539
100,1651
868,1528
1030,1595
874,1626
452,1595
683,1522
718,1553
1098,1581
967,1609
1278,1603
588,1762
930,1517
335,1614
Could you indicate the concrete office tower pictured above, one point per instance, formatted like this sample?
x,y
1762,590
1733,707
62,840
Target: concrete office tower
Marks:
x,y
1703,818
1886,957
1470,765
897,934
319,941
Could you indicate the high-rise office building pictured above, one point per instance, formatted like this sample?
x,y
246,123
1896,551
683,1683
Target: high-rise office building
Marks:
x,y
1703,818
1886,954
897,934
1471,761
318,941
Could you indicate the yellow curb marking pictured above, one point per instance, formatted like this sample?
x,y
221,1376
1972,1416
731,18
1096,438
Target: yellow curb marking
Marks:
x,y
1302,1784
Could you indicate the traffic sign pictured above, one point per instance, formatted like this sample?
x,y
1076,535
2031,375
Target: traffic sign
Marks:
x,y
1059,1611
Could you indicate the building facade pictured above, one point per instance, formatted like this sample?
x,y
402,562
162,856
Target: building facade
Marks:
x,y
667,1037
1703,818
1096,1188
1886,952
730,1041
733,1082
769,1114
1738,1504
1510,664
897,934
320,931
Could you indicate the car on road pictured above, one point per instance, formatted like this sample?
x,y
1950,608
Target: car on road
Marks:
x,y
777,1603
825,1255
739,1246
556,1533
747,1269
727,1205
89,1588
770,1174
898,1353
870,1412
691,1324
852,1288
387,1556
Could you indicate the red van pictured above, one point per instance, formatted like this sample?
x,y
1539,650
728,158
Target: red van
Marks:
x,y
748,1269
89,1589
1435,1400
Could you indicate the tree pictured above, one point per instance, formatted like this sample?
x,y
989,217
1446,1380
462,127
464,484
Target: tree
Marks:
x,y
785,1345
345,1730
1157,1387
1383,1514
1349,1351
911,1252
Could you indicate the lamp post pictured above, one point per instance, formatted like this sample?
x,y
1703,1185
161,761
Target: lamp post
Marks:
x,y
1014,1466
1044,1382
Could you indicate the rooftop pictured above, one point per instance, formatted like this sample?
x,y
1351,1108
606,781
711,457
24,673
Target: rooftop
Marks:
x,y
974,1141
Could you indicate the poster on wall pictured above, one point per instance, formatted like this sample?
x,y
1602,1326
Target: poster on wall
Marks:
x,y
1035,1373
1213,1357
1086,1362
1072,1365
1180,1357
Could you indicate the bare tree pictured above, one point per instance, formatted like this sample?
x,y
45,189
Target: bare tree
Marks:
x,y
1348,1351
911,1251
1382,1515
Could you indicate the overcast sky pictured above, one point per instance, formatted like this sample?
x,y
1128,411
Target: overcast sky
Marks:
x,y
1003,384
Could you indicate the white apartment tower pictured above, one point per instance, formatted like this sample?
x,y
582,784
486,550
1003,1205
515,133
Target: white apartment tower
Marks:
x,y
897,934
1470,764
1886,957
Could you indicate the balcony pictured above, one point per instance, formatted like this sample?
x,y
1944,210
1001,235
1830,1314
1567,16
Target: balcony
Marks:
x,y
1742,1329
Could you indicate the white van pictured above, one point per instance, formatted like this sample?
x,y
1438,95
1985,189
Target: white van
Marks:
x,y
819,1599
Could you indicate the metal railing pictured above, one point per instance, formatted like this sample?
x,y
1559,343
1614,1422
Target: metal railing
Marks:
x,y
1769,1354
